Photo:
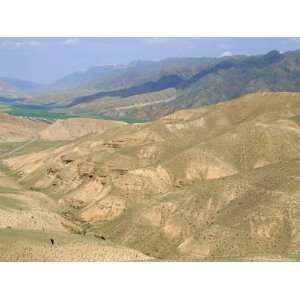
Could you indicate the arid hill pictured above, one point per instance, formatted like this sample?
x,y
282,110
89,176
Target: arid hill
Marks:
x,y
17,129
219,182
32,228
74,128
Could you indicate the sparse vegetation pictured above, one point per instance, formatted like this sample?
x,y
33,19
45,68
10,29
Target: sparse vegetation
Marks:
x,y
215,183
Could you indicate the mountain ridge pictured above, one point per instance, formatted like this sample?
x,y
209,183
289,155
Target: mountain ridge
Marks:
x,y
140,90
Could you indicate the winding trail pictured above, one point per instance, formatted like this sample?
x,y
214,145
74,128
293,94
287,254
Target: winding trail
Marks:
x,y
18,148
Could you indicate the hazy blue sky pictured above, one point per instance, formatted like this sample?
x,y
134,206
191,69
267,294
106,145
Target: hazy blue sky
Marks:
x,y
47,59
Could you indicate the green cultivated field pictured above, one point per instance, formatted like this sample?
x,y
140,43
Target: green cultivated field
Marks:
x,y
45,113
36,112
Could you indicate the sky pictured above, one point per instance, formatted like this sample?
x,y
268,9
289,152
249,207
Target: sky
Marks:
x,y
45,60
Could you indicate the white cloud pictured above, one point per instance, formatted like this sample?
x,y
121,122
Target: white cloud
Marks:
x,y
226,53
71,41
17,44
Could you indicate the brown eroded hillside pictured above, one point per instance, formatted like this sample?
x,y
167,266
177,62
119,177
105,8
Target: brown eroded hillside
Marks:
x,y
16,129
217,182
30,220
74,128
20,129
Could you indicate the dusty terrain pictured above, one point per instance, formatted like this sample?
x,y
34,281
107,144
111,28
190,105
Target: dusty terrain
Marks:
x,y
17,129
29,219
219,182
74,128
20,129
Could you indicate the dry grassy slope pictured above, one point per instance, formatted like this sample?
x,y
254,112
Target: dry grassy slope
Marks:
x,y
29,219
211,183
30,210
21,245
74,128
16,129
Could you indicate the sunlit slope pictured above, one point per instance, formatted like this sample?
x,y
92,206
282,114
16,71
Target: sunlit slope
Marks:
x,y
74,128
21,129
33,228
217,182
14,129
21,245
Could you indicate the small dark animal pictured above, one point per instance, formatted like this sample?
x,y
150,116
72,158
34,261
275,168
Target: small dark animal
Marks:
x,y
52,241
100,237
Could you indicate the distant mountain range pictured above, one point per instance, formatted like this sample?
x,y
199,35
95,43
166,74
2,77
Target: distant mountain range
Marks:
x,y
16,88
148,90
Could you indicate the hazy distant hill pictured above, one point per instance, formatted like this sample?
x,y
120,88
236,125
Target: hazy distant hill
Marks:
x,y
147,90
111,78
215,82
80,78
22,85
16,88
